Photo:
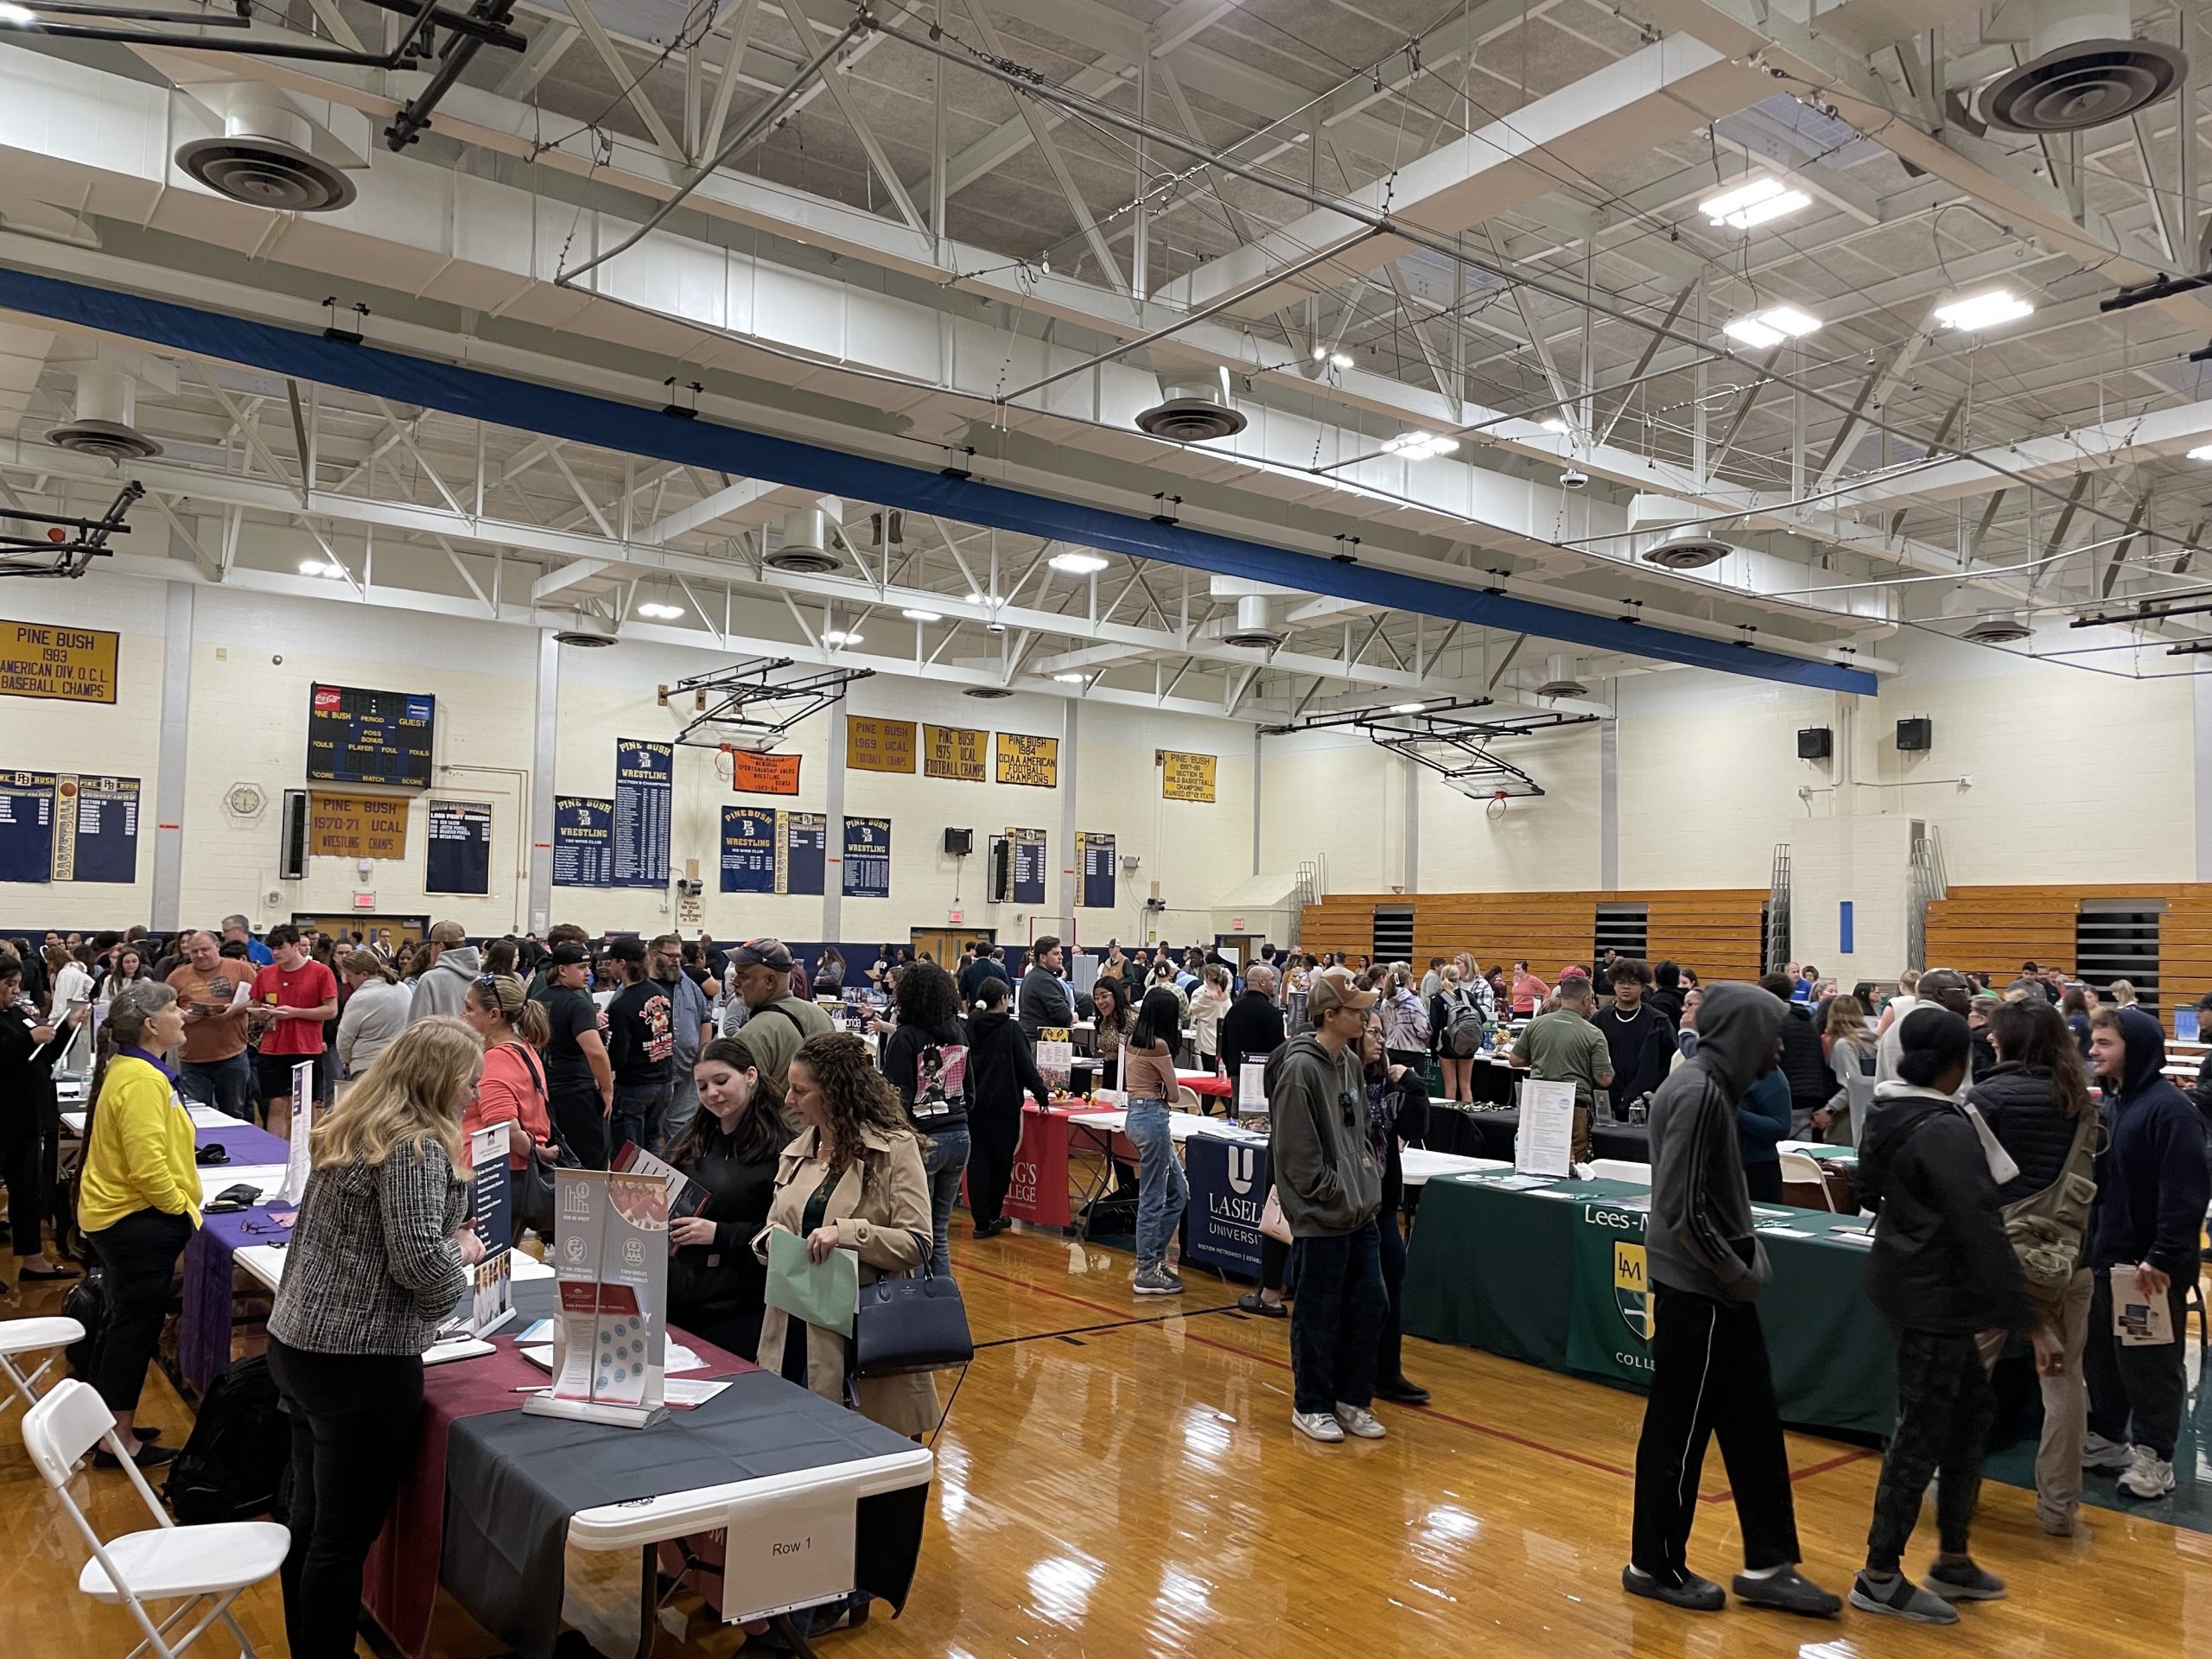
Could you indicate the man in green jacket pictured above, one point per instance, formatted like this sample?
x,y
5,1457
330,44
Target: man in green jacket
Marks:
x,y
1330,1187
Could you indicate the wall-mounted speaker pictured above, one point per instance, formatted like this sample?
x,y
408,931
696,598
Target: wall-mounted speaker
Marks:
x,y
958,843
292,850
1001,870
1916,736
1815,743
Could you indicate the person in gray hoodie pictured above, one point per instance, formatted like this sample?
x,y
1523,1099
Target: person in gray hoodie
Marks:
x,y
1330,1186
1709,1372
445,983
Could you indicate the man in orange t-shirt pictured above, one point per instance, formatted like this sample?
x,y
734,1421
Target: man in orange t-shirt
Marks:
x,y
292,997
215,990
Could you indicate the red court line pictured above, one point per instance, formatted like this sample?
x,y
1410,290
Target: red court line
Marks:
x,y
1723,1496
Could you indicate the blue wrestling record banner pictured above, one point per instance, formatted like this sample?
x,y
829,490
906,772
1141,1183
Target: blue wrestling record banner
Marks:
x,y
867,858
457,853
645,798
749,838
583,841
26,826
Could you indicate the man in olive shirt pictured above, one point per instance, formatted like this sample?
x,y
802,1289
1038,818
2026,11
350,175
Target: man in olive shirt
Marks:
x,y
774,1021
214,993
1563,1046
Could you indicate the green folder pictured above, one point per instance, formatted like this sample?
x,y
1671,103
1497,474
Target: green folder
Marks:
x,y
823,1293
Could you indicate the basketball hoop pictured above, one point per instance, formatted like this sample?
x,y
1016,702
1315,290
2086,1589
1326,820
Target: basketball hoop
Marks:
x,y
1496,807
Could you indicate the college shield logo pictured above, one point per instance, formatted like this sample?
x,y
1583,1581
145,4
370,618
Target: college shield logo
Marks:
x,y
1631,1289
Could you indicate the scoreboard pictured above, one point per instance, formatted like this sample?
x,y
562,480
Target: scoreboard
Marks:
x,y
370,737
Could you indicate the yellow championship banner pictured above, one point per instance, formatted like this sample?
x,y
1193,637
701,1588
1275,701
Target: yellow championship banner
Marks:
x,y
65,665
955,751
1034,762
1185,777
879,745
356,826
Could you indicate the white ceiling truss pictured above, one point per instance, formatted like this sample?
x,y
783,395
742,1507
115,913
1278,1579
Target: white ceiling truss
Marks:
x,y
992,246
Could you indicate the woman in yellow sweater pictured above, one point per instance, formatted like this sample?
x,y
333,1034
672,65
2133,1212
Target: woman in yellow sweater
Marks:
x,y
138,1197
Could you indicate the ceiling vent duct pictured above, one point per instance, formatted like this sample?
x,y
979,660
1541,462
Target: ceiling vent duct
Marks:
x,y
987,693
1998,628
1559,680
1256,625
590,632
1193,410
805,551
2083,70
1665,535
107,406
266,157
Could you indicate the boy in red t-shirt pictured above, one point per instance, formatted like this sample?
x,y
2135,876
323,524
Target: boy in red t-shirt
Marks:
x,y
292,998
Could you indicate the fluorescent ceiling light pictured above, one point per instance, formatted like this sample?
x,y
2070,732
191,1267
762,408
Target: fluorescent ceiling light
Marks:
x,y
660,613
1076,564
922,616
1068,679
2203,452
985,599
1407,707
1763,199
1340,360
1419,445
1553,423
841,637
322,567
1983,310
1771,327
14,14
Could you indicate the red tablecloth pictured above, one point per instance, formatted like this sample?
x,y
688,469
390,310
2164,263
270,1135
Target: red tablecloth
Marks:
x,y
1199,1083
400,1586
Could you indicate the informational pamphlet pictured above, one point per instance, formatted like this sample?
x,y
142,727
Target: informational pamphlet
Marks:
x,y
1055,1056
1252,1086
2139,1318
685,1196
611,1255
1546,1142
300,1129
491,1301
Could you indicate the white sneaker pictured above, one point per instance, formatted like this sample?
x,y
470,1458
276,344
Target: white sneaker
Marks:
x,y
2106,1456
1317,1425
2150,1476
1359,1420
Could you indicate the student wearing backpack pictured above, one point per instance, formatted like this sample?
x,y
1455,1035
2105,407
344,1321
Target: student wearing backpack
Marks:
x,y
1456,1014
925,1057
2037,1103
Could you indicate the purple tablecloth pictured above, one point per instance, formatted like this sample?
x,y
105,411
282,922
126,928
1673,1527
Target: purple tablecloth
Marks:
x,y
203,1330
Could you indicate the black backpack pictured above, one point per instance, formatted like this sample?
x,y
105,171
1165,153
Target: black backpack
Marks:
x,y
86,1303
233,1465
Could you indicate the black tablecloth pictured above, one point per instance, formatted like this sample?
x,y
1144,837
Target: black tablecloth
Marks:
x,y
513,1480
1489,1135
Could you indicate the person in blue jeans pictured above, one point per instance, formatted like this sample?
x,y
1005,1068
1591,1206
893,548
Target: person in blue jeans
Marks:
x,y
1148,1076
925,1057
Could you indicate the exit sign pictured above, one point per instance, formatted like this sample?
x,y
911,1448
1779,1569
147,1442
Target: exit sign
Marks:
x,y
952,918
364,901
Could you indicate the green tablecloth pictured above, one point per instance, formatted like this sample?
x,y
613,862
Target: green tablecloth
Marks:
x,y
1554,1276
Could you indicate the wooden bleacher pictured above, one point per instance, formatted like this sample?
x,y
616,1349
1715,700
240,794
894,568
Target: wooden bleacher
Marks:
x,y
1993,930
1715,931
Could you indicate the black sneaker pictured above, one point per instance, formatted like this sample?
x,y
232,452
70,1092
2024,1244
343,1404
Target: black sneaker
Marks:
x,y
148,1456
1963,1581
1400,1392
1689,1592
1787,1592
1901,1599
1252,1302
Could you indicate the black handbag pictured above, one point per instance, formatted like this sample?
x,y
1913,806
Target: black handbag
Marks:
x,y
917,1323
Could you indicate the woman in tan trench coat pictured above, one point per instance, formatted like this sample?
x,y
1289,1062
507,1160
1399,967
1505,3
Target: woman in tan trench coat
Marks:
x,y
857,1166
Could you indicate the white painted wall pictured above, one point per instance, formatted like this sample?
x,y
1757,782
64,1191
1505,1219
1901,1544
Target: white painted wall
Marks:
x,y
247,723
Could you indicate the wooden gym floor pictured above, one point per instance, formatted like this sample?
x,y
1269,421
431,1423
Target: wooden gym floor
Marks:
x,y
1120,1478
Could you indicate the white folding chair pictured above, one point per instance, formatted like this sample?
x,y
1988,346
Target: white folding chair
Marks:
x,y
193,1566
20,1337
1800,1168
1621,1169
1186,1099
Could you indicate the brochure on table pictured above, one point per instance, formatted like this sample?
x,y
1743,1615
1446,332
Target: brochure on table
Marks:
x,y
491,1300
1252,1087
1055,1056
610,1250
1545,1141
299,1132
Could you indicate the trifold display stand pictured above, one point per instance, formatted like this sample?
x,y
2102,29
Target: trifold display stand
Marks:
x,y
610,1338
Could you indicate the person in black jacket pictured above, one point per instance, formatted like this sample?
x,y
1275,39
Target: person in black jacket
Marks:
x,y
1804,1062
28,1117
1002,1068
1043,998
1252,1028
2036,1099
1941,1271
925,1057
715,1283
1397,1109
1639,1037
1666,992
